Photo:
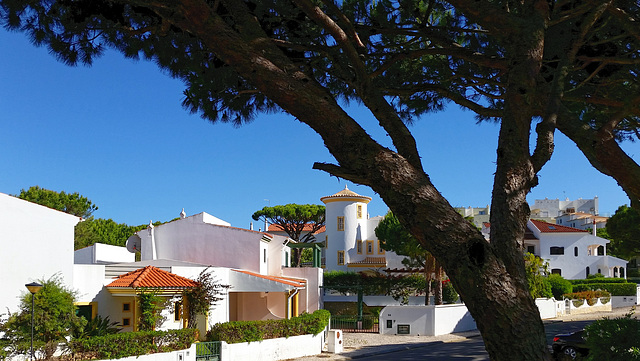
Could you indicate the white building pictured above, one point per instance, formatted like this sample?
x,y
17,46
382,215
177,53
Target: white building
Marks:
x,y
549,209
571,252
36,243
350,239
251,263
580,220
480,215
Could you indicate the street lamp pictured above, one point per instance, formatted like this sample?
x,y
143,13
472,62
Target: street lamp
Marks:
x,y
33,287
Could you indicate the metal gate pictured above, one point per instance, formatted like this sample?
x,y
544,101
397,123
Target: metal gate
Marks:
x,y
208,351
363,324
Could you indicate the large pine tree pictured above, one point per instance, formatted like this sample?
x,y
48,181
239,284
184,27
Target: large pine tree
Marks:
x,y
533,66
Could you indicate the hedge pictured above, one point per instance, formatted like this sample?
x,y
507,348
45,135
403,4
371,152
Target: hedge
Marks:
x,y
598,280
616,289
249,331
131,344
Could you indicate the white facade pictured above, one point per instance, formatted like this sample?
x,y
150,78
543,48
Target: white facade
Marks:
x,y
570,252
480,215
584,221
351,242
205,239
549,209
36,243
99,253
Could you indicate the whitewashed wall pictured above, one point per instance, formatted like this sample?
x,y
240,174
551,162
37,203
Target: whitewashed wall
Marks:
x,y
427,320
36,242
274,349
102,254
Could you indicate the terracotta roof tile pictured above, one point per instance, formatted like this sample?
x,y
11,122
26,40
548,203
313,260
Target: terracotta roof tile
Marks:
x,y
545,227
151,277
346,193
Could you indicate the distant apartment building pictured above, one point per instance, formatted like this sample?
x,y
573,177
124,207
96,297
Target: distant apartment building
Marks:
x,y
480,215
550,209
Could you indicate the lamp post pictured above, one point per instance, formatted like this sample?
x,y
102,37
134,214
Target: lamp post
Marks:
x,y
33,287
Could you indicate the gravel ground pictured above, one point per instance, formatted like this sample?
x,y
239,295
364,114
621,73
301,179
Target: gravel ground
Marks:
x,y
360,344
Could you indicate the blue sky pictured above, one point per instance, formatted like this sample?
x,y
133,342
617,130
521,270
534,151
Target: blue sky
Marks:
x,y
116,133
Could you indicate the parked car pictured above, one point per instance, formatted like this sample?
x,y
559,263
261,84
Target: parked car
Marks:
x,y
568,346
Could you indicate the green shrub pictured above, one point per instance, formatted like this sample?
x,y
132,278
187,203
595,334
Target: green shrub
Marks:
x,y
595,275
559,286
449,294
615,339
598,280
615,289
249,331
131,344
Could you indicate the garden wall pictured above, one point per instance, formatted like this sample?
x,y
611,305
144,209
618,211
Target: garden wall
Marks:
x,y
425,320
273,349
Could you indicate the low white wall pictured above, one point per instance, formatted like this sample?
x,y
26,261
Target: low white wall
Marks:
x,y
550,308
274,349
585,308
452,318
426,320
624,301
188,354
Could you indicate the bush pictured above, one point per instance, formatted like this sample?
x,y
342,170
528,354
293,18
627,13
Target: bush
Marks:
x,y
598,280
615,289
449,294
54,319
131,344
559,286
615,339
249,331
591,297
595,275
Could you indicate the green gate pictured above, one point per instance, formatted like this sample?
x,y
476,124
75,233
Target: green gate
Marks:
x,y
362,324
208,351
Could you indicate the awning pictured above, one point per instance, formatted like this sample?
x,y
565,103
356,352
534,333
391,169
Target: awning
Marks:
x,y
247,281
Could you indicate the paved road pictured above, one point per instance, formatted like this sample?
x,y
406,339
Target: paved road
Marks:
x,y
471,349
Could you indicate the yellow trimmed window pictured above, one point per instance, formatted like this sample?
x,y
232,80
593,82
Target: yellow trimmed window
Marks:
x,y
340,258
380,249
359,246
359,211
340,223
369,247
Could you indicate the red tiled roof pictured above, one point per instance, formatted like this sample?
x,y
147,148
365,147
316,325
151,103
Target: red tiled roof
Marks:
x,y
152,277
545,227
346,193
306,228
295,282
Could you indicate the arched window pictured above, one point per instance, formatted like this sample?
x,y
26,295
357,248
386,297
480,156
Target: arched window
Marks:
x,y
575,251
588,272
556,271
601,251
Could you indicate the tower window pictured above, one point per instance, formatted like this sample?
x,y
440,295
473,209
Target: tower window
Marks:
x,y
340,223
359,246
359,211
340,258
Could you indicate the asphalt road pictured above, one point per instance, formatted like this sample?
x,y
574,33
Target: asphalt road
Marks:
x,y
471,349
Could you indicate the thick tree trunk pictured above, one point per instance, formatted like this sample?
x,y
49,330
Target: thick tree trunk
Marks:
x,y
488,276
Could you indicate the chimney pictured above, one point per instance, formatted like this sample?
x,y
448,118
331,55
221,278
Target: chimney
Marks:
x,y
251,226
